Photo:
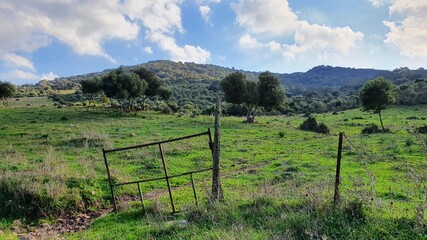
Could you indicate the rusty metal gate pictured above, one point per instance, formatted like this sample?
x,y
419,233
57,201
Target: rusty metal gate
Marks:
x,y
164,165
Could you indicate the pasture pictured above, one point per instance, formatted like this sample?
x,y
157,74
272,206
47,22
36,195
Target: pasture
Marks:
x,y
277,179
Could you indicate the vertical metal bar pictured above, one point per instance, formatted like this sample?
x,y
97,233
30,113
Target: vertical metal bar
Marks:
x,y
109,181
338,170
167,178
140,197
194,189
210,140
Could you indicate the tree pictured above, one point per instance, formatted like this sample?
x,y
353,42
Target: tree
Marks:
x,y
234,87
271,93
153,84
6,91
376,94
238,91
123,85
165,93
267,92
91,86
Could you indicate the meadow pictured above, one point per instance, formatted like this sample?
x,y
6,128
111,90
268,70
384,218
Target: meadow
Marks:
x,y
277,179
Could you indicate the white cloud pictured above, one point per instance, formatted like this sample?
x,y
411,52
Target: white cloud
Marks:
x,y
86,25
186,53
314,37
162,18
246,41
379,3
13,60
49,76
18,76
200,2
417,7
222,58
277,19
205,12
410,34
81,25
259,16
148,50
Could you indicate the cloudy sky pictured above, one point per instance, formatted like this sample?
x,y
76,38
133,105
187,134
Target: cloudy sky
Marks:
x,y
44,39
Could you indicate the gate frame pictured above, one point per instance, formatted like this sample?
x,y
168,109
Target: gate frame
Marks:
x,y
166,177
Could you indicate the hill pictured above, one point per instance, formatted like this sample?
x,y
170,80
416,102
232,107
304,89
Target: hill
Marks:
x,y
319,77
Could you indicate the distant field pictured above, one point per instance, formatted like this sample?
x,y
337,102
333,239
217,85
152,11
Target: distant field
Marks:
x,y
29,102
54,156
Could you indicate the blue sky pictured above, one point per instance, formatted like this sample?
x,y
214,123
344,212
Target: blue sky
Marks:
x,y
44,39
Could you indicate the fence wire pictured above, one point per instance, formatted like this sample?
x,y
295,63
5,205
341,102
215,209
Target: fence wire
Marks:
x,y
391,168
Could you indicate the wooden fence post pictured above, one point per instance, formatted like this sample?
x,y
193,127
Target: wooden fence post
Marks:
x,y
338,170
217,193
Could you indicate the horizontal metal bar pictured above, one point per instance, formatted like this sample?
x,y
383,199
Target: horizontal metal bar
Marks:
x,y
188,173
139,181
161,178
153,143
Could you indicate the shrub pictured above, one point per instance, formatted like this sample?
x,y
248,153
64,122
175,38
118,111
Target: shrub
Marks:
x,y
422,129
412,118
166,110
310,124
322,128
373,128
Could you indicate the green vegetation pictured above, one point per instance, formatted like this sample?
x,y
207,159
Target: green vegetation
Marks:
x,y
376,94
6,91
190,87
91,86
123,86
277,179
310,124
267,93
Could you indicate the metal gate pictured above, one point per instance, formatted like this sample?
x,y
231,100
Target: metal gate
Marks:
x,y
164,165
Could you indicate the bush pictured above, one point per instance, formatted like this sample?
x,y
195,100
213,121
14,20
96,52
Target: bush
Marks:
x,y
166,110
310,124
422,129
373,128
322,128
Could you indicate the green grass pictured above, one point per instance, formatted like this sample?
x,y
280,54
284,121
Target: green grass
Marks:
x,y
53,156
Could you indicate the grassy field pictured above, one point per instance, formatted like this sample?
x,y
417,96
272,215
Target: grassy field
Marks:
x,y
277,179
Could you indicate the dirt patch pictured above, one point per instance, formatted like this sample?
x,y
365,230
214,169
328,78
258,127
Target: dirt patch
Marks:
x,y
67,224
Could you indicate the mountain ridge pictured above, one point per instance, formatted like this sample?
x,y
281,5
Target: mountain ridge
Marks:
x,y
322,76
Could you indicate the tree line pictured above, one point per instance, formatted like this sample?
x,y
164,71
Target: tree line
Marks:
x,y
126,87
245,96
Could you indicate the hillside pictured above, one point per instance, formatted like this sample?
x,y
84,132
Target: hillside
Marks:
x,y
327,76
315,78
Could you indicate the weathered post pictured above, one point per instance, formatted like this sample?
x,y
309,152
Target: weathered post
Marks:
x,y
338,170
217,193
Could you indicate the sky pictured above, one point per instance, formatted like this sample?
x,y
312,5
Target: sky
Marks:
x,y
46,39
